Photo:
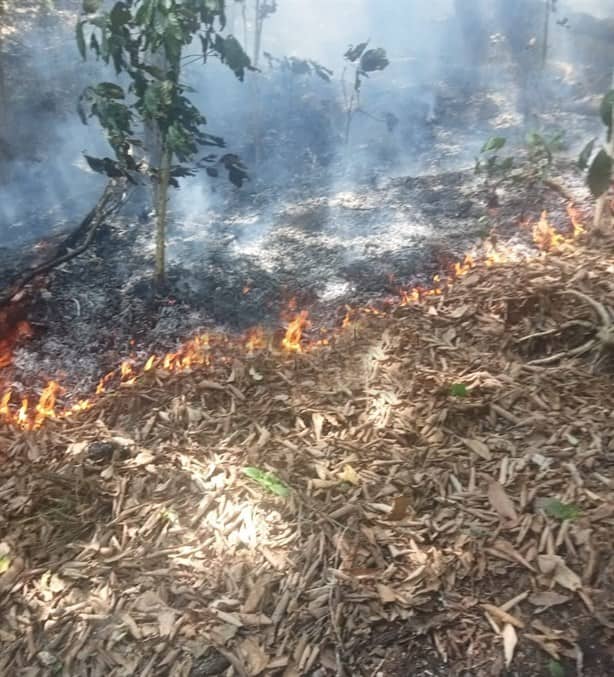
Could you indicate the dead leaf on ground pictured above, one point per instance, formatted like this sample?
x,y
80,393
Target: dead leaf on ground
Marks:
x,y
502,503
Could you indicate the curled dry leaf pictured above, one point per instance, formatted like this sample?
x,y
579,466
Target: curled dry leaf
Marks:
x,y
502,616
553,565
501,502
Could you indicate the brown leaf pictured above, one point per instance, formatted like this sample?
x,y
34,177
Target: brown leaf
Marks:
x,y
386,594
553,565
399,508
502,616
510,640
548,599
501,502
478,447
254,656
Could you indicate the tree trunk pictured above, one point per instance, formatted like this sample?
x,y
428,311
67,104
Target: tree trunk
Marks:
x,y
3,98
546,33
161,213
603,212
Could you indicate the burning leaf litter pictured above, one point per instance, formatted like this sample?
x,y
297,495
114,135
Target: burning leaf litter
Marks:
x,y
197,352
138,538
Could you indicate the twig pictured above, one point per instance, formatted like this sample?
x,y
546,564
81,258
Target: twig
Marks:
x,y
92,221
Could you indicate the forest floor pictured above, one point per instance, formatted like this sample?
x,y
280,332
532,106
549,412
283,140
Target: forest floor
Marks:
x,y
440,498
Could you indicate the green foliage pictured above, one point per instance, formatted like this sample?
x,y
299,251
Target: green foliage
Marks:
x,y
133,36
605,110
495,143
562,511
299,67
601,170
459,390
556,669
600,173
5,563
268,481
364,62
530,167
374,60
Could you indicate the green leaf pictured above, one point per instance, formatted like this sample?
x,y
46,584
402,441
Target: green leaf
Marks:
x,y
458,390
374,60
562,511
81,40
110,90
267,481
231,53
606,108
5,563
354,53
556,669
600,174
585,155
494,143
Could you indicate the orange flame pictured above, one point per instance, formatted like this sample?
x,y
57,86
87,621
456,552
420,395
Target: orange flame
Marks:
x,y
197,352
255,340
294,333
545,236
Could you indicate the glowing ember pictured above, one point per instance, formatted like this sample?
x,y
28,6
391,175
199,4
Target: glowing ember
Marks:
x,y
21,331
294,333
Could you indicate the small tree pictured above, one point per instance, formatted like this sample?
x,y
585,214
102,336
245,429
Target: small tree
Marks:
x,y
363,61
601,168
144,40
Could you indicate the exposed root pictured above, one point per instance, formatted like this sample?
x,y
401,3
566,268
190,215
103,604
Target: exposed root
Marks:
x,y
603,339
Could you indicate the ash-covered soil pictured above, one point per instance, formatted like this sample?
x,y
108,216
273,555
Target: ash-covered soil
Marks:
x,y
242,263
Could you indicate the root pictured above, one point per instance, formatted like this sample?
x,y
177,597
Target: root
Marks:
x,y
599,308
603,340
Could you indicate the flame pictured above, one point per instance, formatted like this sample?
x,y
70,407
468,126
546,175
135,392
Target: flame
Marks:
x,y
294,333
574,217
545,236
30,414
256,340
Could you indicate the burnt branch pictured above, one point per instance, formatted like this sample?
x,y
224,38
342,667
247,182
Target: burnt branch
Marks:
x,y
110,201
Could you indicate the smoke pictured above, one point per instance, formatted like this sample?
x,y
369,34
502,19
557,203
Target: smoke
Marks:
x,y
460,69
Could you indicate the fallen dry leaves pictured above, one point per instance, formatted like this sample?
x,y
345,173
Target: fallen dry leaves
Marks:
x,y
134,544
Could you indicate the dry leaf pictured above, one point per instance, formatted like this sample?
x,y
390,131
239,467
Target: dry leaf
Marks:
x,y
548,599
10,576
166,622
254,657
385,593
553,565
349,475
478,447
501,502
502,616
510,640
399,508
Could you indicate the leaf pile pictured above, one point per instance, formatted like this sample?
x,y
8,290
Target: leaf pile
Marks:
x,y
421,497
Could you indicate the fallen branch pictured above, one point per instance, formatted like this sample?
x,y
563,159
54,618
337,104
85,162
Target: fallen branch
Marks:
x,y
112,197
